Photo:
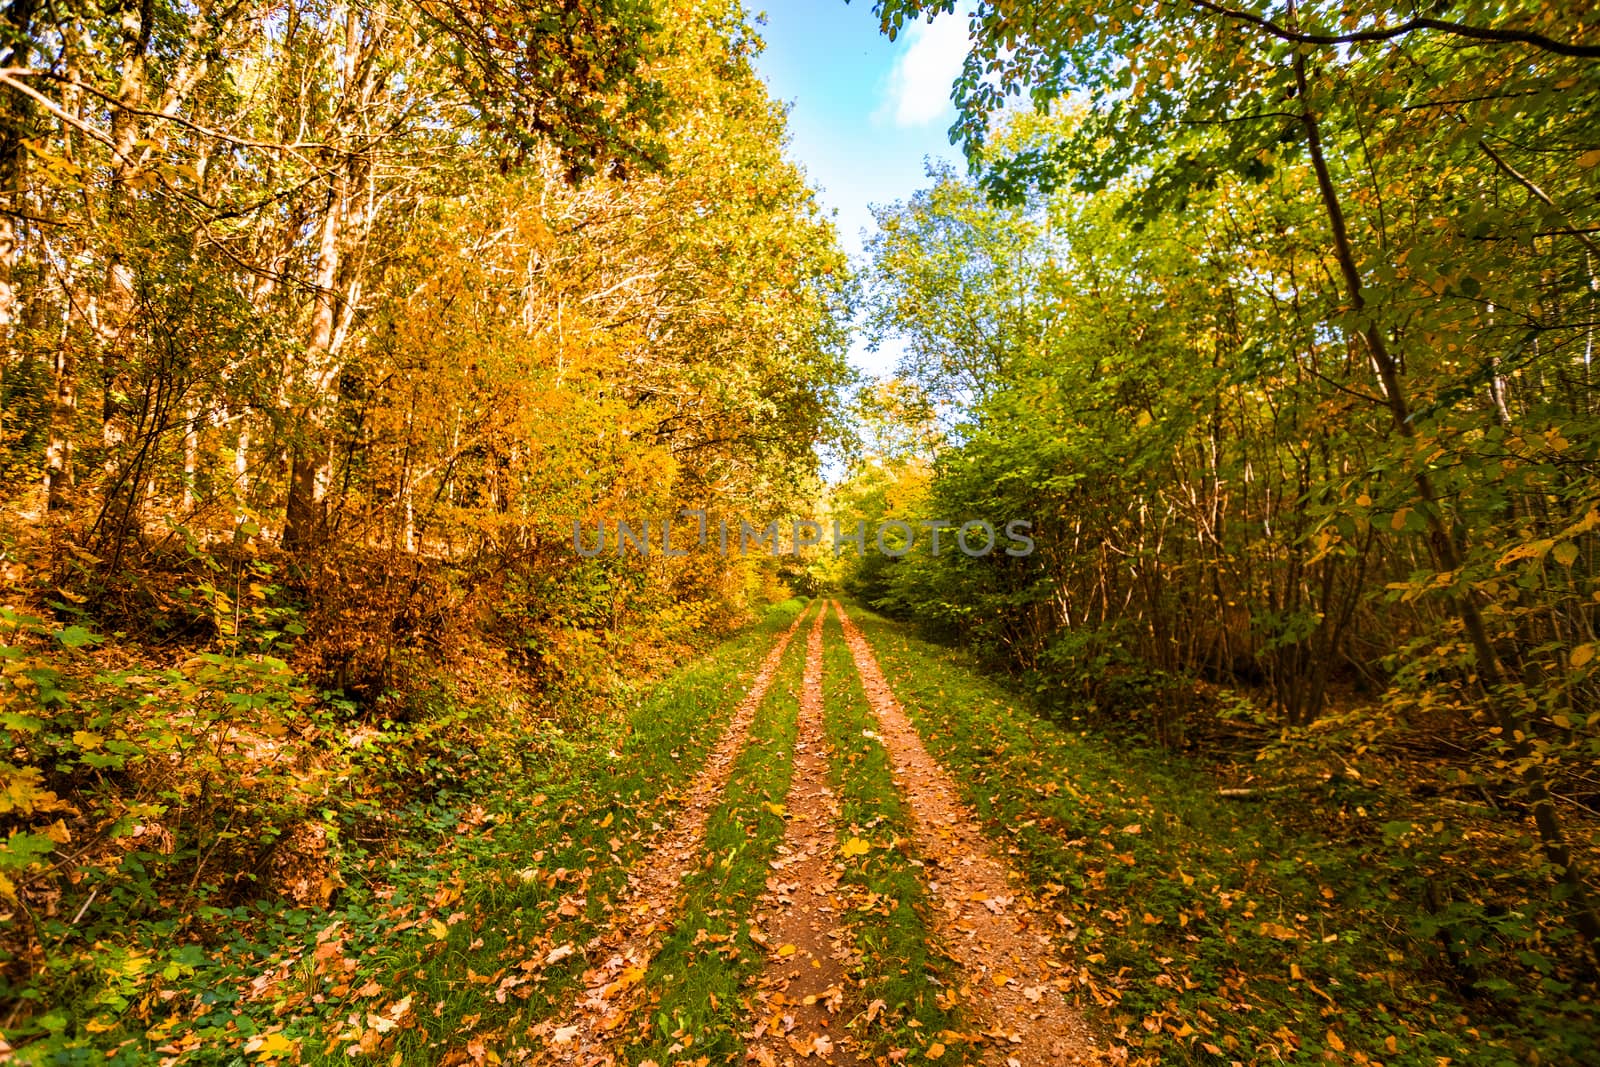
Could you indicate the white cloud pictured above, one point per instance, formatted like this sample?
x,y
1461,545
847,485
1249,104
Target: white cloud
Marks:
x,y
919,84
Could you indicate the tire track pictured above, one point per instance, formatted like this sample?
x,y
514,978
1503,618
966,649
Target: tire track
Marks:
x,y
804,983
985,923
620,954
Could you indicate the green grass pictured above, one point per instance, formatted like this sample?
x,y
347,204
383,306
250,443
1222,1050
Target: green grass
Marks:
x,y
900,961
1200,924
475,888
692,985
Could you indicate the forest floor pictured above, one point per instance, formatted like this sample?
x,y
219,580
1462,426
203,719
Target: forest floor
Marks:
x,y
825,842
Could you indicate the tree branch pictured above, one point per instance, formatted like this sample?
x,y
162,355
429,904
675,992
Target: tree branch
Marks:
x,y
1456,29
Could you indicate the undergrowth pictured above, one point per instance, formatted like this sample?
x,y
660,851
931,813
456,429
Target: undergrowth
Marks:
x,y
450,905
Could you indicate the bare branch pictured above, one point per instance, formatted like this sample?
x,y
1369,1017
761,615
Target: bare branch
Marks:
x,y
1490,34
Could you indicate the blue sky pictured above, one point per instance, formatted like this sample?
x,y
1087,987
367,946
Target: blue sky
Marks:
x,y
864,112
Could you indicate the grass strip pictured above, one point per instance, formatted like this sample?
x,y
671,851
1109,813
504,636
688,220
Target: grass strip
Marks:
x,y
899,959
1207,931
692,984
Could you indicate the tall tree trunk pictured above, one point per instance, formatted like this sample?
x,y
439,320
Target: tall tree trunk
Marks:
x,y
58,475
302,510
117,298
15,111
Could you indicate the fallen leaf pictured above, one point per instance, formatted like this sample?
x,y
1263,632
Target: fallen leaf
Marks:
x,y
270,1046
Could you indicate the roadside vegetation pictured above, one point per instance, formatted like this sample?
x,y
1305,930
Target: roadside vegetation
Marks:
x,y
458,913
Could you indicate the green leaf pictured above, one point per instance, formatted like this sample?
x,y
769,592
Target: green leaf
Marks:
x,y
77,637
23,849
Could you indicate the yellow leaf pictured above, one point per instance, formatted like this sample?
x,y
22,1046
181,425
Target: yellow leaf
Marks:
x,y
440,930
1399,520
1529,550
270,1046
787,950
856,847
605,822
86,740
1589,158
777,809
1334,1042
1582,654
1565,553
935,1050
629,978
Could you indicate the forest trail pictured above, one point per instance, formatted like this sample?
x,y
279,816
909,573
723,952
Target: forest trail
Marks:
x,y
431,435
805,983
621,955
807,1002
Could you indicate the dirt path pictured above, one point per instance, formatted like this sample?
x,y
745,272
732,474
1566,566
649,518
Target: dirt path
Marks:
x,y
983,921
621,953
804,985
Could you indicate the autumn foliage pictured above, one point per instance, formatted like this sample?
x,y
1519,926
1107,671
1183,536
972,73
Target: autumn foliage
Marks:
x,y
321,326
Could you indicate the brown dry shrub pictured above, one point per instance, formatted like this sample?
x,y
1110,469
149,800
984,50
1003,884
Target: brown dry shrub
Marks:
x,y
380,625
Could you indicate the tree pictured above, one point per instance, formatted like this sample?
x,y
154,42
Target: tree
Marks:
x,y
1408,136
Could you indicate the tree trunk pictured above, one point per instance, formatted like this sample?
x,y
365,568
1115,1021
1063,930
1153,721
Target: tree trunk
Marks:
x,y
116,303
302,520
15,111
1445,545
